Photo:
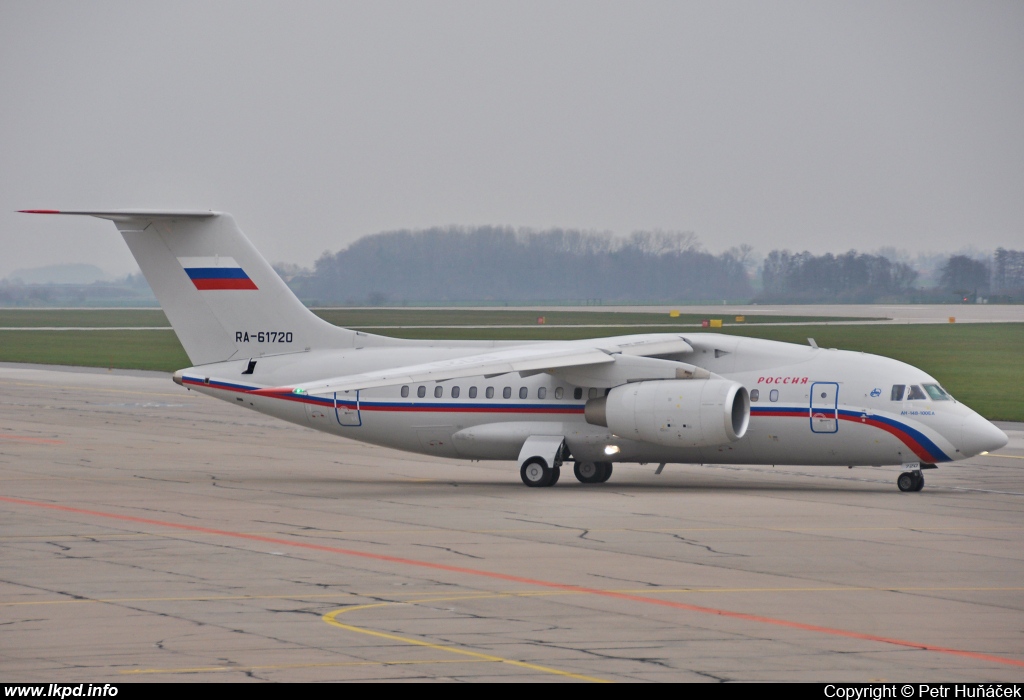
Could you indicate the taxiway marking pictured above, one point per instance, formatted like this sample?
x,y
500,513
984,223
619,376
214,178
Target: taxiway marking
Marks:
x,y
278,667
25,438
624,591
539,583
331,618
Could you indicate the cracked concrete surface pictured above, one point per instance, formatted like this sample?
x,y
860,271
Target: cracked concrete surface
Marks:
x,y
284,520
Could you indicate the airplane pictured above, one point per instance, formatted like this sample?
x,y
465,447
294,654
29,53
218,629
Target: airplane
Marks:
x,y
659,398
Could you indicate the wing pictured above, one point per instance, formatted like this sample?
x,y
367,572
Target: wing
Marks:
x,y
530,358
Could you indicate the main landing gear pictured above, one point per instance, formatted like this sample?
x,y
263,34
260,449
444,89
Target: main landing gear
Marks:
x,y
540,462
592,472
536,472
541,458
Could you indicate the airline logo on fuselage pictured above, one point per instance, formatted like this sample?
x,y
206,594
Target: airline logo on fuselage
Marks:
x,y
782,380
216,272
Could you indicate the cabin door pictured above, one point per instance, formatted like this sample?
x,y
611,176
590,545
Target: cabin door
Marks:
x,y
346,409
824,407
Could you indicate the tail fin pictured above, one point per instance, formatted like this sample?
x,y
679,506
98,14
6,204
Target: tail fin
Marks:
x,y
222,298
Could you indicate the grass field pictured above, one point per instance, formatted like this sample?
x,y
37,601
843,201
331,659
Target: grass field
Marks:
x,y
155,350
981,364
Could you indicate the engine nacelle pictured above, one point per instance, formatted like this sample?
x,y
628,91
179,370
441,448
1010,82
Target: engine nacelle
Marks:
x,y
686,413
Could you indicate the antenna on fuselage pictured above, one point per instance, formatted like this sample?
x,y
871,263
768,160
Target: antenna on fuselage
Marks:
x,y
810,341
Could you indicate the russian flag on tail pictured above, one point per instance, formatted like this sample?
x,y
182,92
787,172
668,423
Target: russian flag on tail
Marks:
x,y
216,272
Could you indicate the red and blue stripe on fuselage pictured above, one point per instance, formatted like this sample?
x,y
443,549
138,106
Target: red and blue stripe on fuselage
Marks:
x,y
918,442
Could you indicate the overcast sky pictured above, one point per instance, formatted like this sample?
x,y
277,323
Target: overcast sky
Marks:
x,y
801,125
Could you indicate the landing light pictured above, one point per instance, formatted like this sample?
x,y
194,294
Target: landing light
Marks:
x,y
611,450
984,453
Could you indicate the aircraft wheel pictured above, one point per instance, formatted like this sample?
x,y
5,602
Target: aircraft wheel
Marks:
x,y
606,471
587,472
918,481
535,472
907,481
557,472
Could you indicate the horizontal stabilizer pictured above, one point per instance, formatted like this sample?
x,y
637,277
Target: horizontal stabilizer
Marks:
x,y
126,214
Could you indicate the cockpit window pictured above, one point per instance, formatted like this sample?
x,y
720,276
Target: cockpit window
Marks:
x,y
915,393
936,392
897,392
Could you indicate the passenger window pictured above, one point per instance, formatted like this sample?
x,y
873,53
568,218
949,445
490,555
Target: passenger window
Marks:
x,y
507,392
421,391
405,392
542,393
455,392
577,393
523,392
774,396
490,392
438,391
472,392
916,393
558,392
754,395
936,392
897,392
593,393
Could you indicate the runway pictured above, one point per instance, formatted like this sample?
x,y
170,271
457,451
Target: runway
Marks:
x,y
898,314
151,534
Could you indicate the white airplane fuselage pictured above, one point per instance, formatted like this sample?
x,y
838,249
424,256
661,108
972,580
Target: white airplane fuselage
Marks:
x,y
811,406
665,397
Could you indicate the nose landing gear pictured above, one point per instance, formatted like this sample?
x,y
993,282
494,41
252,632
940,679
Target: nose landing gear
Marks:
x,y
910,481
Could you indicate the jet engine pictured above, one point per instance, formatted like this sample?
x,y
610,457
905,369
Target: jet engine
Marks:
x,y
675,413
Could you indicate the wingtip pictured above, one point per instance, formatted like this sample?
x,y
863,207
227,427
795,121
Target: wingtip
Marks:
x,y
39,211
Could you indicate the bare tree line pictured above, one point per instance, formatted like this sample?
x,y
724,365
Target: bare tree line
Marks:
x,y
861,278
494,265
498,264
491,264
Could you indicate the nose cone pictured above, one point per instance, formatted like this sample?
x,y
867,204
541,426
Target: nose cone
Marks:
x,y
980,436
